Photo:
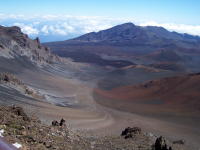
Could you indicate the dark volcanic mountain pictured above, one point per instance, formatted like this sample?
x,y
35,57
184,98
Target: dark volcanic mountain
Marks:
x,y
136,44
130,34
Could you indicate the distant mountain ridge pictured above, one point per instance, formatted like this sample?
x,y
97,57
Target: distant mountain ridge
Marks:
x,y
128,42
133,33
129,34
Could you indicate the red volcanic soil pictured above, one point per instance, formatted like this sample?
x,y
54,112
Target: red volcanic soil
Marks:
x,y
174,100
174,94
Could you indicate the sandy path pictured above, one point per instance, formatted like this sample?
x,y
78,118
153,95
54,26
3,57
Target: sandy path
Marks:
x,y
86,116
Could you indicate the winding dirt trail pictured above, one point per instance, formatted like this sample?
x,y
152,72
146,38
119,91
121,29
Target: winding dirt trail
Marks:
x,y
88,116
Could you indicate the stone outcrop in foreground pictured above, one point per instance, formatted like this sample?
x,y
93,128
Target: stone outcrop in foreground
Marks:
x,y
27,132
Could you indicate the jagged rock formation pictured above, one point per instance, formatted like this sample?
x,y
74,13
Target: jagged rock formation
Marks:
x,y
131,132
14,43
56,123
179,142
7,77
161,144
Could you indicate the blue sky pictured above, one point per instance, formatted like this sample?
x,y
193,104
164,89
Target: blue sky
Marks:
x,y
177,15
177,11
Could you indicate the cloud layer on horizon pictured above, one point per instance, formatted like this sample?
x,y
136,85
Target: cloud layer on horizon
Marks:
x,y
181,28
67,26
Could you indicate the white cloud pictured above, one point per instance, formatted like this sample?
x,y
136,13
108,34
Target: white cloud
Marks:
x,y
67,25
57,29
58,24
45,29
28,29
182,28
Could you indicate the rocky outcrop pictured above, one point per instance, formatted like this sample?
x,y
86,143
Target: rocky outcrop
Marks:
x,y
56,123
29,132
131,132
7,77
14,43
161,144
19,112
179,142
